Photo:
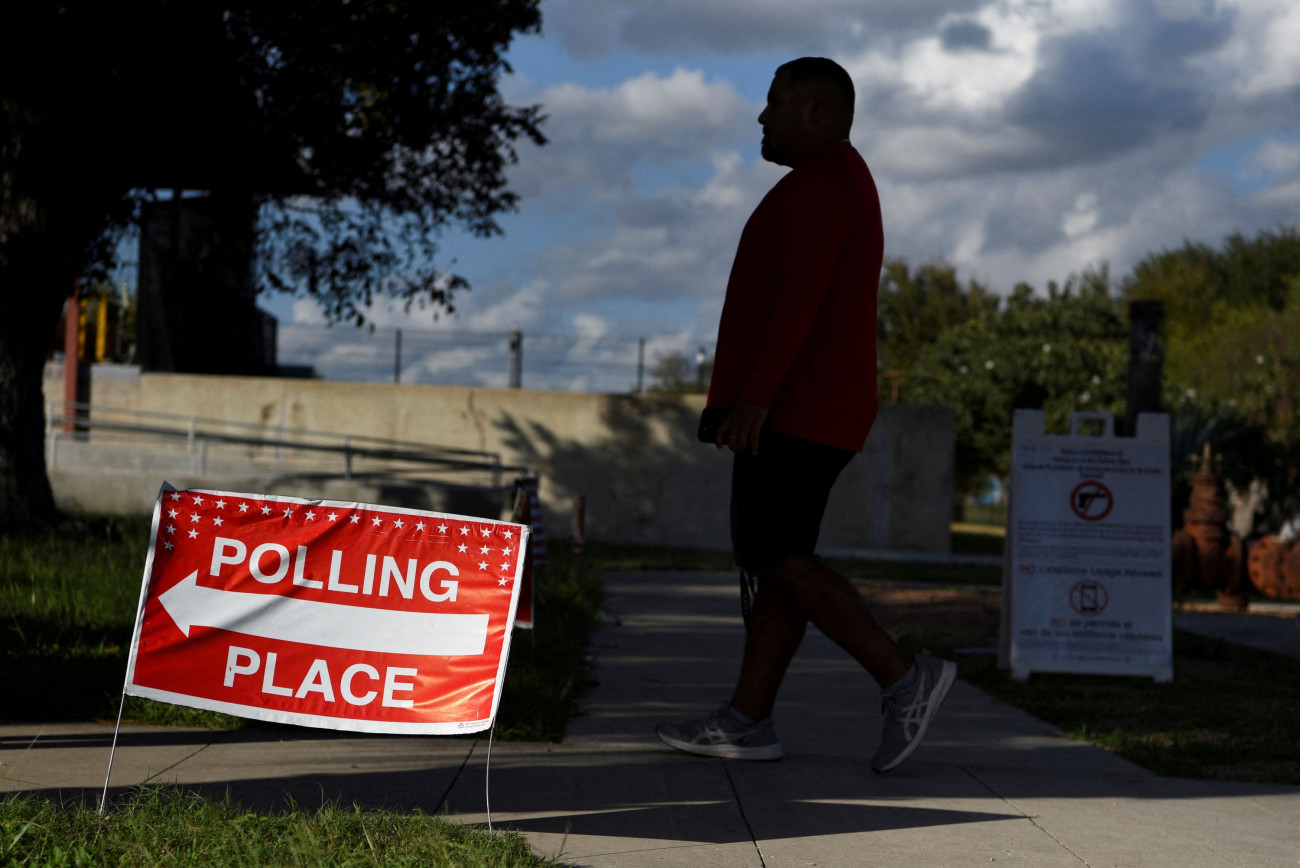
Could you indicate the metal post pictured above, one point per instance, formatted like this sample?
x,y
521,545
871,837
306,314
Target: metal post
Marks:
x,y
516,359
640,366
71,356
1146,358
397,359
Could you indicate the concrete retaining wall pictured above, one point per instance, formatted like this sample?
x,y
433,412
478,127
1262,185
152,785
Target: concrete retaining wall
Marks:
x,y
635,458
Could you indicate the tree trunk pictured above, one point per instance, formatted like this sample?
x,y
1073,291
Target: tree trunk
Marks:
x,y
27,329
60,191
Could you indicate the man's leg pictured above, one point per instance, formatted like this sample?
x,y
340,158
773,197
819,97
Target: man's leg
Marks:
x,y
796,592
775,630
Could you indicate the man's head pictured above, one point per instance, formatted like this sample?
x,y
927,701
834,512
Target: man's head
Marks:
x,y
810,104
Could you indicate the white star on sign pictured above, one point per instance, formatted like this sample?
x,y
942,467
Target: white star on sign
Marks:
x,y
464,531
266,510
334,516
194,534
194,517
442,528
462,548
221,504
356,518
502,581
397,523
485,531
311,516
171,529
288,511
171,513
376,521
485,550
420,526
168,545
507,551
198,500
505,567
176,495
510,534
217,522
482,565
243,507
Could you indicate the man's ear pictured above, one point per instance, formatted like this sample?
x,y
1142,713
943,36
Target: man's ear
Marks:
x,y
819,113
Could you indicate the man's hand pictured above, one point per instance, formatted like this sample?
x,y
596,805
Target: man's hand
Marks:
x,y
739,430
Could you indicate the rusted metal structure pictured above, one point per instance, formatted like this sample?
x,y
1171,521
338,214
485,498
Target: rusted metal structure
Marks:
x,y
1275,567
1208,556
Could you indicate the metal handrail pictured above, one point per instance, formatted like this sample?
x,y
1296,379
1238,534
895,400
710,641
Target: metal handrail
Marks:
x,y
67,420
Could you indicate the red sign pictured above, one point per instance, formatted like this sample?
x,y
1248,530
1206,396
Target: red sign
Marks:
x,y
327,614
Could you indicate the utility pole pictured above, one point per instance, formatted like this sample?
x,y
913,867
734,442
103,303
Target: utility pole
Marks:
x,y
516,359
1146,360
640,366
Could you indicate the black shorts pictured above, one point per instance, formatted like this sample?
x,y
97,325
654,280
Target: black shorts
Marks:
x,y
778,498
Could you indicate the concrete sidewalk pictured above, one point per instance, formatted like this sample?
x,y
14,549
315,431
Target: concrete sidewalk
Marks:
x,y
991,784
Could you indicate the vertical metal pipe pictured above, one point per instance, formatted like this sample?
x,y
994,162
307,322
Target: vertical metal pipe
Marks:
x,y
640,366
71,356
516,359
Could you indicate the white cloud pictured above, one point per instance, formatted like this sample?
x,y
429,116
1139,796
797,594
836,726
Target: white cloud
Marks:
x,y
1021,141
592,28
1263,59
1277,156
599,135
499,311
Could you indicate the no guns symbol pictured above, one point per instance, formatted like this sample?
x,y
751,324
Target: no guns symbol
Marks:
x,y
1091,501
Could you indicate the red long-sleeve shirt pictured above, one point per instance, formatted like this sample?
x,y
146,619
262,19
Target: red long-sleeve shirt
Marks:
x,y
798,329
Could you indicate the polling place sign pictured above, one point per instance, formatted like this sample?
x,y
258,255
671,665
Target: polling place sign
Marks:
x,y
1087,582
326,614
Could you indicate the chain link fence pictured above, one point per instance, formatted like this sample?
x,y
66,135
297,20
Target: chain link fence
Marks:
x,y
617,364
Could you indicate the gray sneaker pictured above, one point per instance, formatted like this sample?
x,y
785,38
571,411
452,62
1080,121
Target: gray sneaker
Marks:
x,y
909,711
721,735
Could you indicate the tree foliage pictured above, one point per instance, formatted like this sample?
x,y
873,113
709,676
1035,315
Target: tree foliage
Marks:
x,y
361,130
1062,352
1232,359
1232,317
915,307
1231,320
675,374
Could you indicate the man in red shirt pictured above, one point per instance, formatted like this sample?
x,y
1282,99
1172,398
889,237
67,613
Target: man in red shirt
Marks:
x,y
796,371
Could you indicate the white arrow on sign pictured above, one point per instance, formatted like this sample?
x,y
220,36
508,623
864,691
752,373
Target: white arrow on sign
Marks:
x,y
326,624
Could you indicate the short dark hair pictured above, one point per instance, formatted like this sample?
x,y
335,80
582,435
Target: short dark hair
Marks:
x,y
822,71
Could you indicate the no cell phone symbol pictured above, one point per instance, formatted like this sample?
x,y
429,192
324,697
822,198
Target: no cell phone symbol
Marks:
x,y
1091,501
1089,597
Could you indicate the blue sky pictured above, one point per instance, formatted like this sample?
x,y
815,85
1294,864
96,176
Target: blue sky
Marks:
x,y
1020,140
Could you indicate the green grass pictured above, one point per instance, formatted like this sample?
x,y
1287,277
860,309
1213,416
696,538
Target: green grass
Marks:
x,y
1229,713
160,826
68,601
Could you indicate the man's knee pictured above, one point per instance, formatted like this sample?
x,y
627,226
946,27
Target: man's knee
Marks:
x,y
788,569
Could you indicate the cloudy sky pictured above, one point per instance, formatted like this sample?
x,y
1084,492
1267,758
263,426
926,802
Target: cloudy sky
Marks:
x,y
1020,140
